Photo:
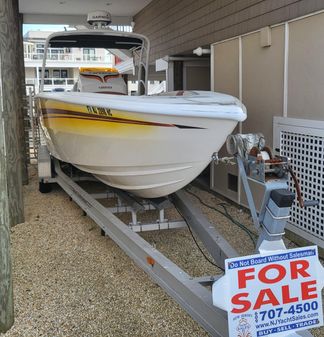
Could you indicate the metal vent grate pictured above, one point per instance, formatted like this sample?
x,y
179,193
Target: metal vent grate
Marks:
x,y
307,154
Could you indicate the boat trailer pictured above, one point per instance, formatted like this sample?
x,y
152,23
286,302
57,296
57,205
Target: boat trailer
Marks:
x,y
194,294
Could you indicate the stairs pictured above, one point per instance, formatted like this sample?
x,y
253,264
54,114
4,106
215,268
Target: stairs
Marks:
x,y
32,130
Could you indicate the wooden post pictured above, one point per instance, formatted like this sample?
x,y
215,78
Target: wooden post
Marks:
x,y
6,292
22,93
10,108
11,202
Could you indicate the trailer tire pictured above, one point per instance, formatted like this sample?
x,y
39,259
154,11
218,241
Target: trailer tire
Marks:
x,y
44,188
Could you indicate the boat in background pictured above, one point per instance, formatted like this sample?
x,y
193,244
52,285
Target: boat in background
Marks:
x,y
150,146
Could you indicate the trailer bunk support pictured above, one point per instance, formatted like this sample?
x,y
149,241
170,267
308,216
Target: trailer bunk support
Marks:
x,y
186,290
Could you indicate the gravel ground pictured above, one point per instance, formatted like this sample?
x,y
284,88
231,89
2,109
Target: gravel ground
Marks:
x,y
71,281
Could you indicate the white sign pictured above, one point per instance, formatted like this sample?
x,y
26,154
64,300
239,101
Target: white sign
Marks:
x,y
272,294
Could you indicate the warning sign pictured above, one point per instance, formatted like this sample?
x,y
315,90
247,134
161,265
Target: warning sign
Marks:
x,y
272,293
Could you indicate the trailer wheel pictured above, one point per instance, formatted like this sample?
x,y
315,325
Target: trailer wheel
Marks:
x,y
44,188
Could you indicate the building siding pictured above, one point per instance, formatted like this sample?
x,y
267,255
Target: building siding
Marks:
x,y
176,27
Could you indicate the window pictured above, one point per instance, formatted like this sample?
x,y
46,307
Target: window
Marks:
x,y
57,51
64,73
56,73
89,54
46,74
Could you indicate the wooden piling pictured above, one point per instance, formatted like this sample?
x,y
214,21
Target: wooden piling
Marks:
x,y
11,202
6,291
10,106
23,110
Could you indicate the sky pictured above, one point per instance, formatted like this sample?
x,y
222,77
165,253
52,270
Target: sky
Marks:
x,y
28,27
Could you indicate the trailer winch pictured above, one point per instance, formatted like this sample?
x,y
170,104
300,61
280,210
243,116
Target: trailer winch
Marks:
x,y
256,162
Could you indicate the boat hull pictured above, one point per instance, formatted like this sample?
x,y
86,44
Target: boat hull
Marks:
x,y
149,155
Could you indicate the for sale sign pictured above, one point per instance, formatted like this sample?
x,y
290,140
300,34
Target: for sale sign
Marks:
x,y
272,294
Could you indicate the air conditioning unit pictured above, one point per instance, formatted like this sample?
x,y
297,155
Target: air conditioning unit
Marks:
x,y
302,140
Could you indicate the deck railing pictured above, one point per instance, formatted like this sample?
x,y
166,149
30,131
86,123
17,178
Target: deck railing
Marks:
x,y
68,57
51,84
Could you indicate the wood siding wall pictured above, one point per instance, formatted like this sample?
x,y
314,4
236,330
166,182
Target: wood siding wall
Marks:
x,y
176,27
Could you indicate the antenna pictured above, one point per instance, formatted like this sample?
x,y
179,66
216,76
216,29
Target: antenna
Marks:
x,y
99,19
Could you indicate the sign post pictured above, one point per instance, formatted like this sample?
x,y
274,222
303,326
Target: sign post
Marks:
x,y
272,294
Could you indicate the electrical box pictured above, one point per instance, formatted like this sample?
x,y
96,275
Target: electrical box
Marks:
x,y
265,37
224,179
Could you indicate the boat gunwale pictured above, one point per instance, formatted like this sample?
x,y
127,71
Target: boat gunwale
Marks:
x,y
116,102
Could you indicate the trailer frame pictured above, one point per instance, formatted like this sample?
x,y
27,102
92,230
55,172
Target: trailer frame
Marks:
x,y
192,293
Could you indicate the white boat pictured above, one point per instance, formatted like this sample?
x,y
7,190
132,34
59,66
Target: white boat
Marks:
x,y
150,146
